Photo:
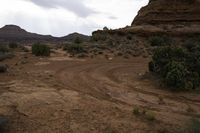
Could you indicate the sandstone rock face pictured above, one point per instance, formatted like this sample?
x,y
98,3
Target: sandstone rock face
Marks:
x,y
175,17
185,12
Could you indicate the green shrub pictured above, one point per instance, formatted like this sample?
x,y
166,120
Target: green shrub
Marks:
x,y
4,49
194,79
129,37
175,75
179,67
164,55
98,37
136,111
160,41
74,48
151,66
77,40
110,43
40,50
191,44
150,116
13,45
192,127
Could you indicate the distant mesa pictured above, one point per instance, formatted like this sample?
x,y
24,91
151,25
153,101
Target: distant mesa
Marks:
x,y
16,33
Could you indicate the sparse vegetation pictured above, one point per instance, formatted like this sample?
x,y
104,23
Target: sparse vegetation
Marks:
x,y
4,49
150,116
98,37
136,111
178,66
192,127
77,40
13,45
74,48
5,52
40,50
110,43
160,40
129,37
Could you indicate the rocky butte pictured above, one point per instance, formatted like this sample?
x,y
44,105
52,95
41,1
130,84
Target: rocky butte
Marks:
x,y
170,16
174,17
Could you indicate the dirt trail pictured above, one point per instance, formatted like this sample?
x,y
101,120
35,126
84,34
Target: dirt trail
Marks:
x,y
120,82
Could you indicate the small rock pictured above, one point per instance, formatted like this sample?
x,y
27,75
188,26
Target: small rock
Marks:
x,y
141,74
23,62
71,56
110,58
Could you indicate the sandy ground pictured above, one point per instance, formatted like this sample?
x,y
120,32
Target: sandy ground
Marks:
x,y
64,95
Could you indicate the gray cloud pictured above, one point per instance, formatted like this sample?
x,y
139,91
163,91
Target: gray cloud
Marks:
x,y
75,6
40,20
112,17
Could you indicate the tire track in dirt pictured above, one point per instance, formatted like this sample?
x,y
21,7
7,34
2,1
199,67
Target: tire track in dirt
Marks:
x,y
117,82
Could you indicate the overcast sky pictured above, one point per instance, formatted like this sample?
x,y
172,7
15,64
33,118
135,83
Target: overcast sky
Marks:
x,y
61,17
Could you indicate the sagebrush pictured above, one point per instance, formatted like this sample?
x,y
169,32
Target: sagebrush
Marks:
x,y
40,49
178,65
